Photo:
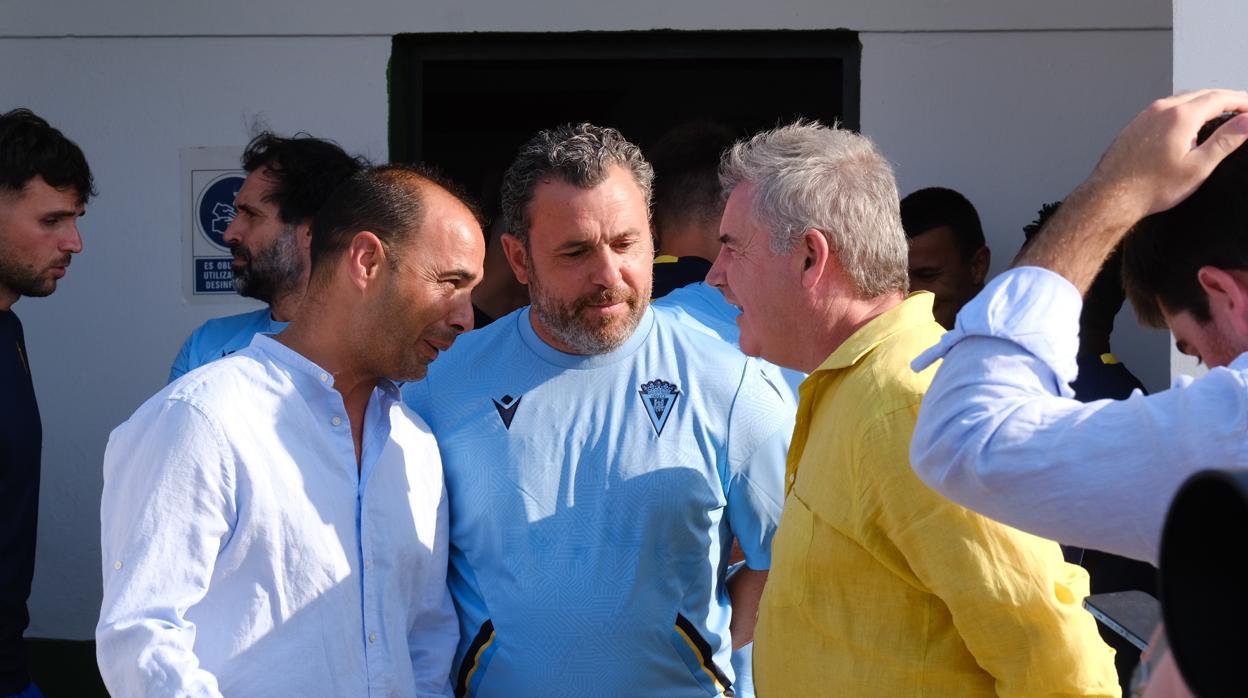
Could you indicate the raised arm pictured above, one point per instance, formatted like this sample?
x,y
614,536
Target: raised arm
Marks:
x,y
999,431
1152,166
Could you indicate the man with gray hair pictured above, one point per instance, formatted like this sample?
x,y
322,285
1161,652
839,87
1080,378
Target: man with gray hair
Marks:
x,y
880,587
600,456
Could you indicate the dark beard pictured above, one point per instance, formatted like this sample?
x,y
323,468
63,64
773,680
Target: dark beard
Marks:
x,y
271,272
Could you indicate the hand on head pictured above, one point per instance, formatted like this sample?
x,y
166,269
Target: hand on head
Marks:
x,y
1155,163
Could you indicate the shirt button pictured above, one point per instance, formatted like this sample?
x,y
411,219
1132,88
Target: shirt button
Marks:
x,y
372,637
324,377
368,564
117,565
336,421
793,477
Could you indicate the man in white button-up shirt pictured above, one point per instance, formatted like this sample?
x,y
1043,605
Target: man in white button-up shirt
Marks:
x,y
999,431
274,523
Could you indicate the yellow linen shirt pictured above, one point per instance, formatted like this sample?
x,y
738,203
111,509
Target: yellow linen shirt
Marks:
x,y
879,586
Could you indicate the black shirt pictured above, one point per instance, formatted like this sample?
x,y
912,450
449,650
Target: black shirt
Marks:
x,y
671,273
21,439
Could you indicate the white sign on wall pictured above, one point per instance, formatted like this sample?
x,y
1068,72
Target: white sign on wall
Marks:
x,y
211,178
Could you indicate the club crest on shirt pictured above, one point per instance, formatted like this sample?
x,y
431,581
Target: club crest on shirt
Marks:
x,y
506,406
658,397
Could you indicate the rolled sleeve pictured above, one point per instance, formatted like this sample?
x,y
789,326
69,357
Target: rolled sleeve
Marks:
x,y
166,511
998,433
1032,307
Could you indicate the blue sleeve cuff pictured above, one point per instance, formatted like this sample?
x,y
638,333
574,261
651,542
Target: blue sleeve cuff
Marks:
x,y
1032,307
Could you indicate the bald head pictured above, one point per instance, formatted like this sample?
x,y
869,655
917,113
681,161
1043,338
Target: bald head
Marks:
x,y
390,201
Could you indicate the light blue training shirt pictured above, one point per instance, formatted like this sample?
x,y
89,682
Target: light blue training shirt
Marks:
x,y
221,337
703,306
593,505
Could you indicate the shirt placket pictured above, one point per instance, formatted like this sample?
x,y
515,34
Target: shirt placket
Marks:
x,y
339,424
376,651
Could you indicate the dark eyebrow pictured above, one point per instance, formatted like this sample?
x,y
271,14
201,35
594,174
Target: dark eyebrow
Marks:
x,y
572,245
458,275
247,209
725,238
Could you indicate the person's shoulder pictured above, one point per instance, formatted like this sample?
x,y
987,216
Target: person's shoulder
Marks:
x,y
219,382
230,324
495,340
672,322
492,348
884,374
221,336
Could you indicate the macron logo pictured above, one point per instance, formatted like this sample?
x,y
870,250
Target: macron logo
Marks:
x,y
506,407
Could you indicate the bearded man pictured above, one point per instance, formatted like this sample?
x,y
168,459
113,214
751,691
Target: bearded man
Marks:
x,y
600,455
288,180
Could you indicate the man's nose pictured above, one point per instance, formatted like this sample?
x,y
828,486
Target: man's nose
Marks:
x,y
606,269
72,242
716,277
233,232
461,316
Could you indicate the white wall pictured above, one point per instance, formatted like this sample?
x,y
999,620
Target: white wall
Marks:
x,y
387,17
103,342
1012,118
1209,51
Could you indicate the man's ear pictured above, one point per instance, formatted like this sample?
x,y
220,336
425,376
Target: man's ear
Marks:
x,y
303,234
517,257
815,252
366,258
1227,290
980,261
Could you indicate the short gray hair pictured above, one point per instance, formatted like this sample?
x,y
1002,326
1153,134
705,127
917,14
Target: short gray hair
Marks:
x,y
581,155
807,175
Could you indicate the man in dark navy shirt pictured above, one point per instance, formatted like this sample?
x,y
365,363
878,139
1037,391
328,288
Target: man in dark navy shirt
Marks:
x,y
687,203
44,186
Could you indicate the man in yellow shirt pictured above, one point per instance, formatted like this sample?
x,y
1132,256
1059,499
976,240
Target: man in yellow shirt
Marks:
x,y
879,586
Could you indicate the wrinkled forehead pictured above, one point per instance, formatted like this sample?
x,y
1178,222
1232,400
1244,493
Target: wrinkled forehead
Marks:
x,y
614,207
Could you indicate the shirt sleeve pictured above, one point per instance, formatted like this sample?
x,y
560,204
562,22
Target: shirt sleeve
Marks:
x,y
1013,599
167,510
999,433
760,427
434,636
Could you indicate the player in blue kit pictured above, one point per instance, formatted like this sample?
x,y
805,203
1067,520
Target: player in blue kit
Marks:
x,y
288,180
600,456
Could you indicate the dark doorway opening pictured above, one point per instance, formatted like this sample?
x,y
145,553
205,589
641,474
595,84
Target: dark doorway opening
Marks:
x,y
466,102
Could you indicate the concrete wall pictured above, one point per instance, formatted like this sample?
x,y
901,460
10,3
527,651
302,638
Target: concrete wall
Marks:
x,y
1009,102
103,342
1014,120
387,17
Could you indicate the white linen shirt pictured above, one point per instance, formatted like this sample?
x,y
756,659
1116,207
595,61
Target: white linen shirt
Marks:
x,y
243,555
1000,433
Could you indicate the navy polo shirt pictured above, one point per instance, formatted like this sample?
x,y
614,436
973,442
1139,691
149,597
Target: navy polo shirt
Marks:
x,y
21,438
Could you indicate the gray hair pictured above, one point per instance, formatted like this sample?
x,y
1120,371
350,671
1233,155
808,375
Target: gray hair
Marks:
x,y
579,154
807,175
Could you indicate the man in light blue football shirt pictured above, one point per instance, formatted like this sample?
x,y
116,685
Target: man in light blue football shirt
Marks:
x,y
600,455
288,180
